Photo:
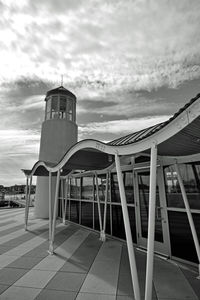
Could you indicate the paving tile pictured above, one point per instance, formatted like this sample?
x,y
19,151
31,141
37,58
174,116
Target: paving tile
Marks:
x,y
19,293
51,263
84,256
170,282
24,262
53,294
4,249
74,267
39,251
103,275
194,282
6,260
90,296
125,285
9,276
12,229
9,222
35,279
125,297
3,287
66,281
68,247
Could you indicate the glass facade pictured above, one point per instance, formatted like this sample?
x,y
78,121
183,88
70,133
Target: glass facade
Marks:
x,y
82,206
182,244
190,174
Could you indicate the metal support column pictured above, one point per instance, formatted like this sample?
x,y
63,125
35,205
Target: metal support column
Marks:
x,y
27,202
151,224
62,200
129,240
66,193
50,205
51,249
99,208
189,215
105,210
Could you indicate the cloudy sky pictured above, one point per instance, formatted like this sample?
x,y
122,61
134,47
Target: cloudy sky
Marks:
x,y
131,64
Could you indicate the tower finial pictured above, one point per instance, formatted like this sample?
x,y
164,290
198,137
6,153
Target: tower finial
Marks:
x,y
61,79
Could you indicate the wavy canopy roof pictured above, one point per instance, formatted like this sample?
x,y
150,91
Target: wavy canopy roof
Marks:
x,y
179,136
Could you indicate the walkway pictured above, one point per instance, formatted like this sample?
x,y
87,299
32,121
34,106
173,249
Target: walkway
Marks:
x,y
83,268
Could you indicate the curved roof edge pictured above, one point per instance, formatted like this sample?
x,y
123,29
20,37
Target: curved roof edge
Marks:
x,y
158,134
144,133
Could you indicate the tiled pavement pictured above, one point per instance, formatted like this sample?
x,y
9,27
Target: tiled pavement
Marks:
x,y
83,268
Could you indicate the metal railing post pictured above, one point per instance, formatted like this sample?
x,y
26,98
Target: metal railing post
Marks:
x,y
62,200
131,254
66,192
26,205
151,224
99,207
51,249
105,210
50,205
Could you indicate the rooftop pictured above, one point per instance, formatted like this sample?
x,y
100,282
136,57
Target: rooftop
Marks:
x,y
83,267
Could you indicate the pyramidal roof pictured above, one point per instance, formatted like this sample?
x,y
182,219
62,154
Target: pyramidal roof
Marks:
x,y
60,90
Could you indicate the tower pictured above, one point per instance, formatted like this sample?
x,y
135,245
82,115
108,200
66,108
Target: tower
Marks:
x,y
58,134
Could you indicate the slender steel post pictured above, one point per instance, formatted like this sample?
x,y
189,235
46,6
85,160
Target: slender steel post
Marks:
x,y
151,224
62,199
51,249
99,207
131,254
105,210
26,205
189,214
50,205
66,193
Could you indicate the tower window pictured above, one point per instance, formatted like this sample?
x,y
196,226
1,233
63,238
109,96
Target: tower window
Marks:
x,y
54,108
63,106
60,107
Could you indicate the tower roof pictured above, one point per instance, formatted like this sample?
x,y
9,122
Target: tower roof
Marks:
x,y
60,90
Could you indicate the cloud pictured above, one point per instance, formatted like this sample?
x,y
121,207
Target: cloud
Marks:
x,y
118,127
18,149
130,63
140,44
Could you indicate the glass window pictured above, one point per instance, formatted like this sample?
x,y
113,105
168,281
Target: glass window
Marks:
x,y
128,184
143,185
54,107
118,222
48,108
74,211
75,188
63,107
87,188
87,214
114,188
70,109
190,174
182,244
